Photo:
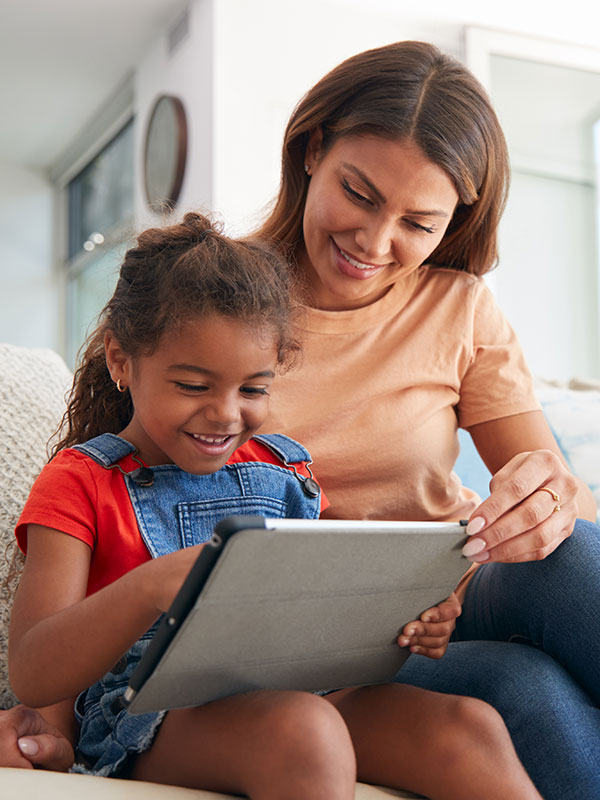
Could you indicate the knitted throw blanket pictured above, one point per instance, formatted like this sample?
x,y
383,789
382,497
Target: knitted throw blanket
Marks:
x,y
33,384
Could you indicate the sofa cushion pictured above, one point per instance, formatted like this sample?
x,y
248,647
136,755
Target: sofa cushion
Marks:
x,y
35,784
573,412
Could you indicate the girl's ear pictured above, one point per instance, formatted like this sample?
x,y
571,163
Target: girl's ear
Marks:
x,y
313,149
117,361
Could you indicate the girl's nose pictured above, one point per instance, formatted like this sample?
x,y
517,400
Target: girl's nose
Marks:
x,y
224,410
375,239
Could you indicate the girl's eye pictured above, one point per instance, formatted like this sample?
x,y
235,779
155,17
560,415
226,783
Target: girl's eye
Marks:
x,y
417,226
254,390
356,196
191,387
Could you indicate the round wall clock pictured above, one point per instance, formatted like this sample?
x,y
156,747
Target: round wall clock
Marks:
x,y
165,153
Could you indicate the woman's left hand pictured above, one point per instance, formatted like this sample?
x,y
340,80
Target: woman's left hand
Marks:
x,y
531,509
430,634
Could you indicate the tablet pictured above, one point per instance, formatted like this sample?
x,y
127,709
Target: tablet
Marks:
x,y
295,604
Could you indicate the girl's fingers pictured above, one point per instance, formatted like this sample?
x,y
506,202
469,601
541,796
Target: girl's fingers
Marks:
x,y
447,610
430,652
431,635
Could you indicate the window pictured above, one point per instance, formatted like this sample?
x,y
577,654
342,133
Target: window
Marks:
x,y
100,211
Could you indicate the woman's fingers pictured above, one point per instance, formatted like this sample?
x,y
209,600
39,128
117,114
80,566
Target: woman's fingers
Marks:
x,y
26,738
530,511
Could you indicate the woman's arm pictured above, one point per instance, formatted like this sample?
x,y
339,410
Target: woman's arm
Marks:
x,y
518,522
61,642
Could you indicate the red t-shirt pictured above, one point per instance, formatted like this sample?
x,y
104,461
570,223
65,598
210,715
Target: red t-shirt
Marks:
x,y
75,495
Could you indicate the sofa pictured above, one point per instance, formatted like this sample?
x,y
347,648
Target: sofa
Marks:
x,y
33,384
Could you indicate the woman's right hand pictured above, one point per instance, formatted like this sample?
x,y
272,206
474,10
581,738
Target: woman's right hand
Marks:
x,y
28,740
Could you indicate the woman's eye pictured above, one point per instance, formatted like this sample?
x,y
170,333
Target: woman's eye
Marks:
x,y
191,387
254,390
418,227
354,195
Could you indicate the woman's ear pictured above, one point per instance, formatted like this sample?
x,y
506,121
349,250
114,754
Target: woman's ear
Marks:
x,y
117,361
313,149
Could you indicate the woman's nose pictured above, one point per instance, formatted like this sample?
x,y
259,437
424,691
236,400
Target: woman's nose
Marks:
x,y
375,239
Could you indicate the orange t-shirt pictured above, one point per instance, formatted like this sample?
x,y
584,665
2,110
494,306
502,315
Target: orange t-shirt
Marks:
x,y
381,390
75,495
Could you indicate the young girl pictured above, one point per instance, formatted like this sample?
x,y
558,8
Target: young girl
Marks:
x,y
159,444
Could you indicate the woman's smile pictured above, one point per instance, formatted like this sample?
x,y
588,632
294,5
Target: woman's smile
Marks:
x,y
352,267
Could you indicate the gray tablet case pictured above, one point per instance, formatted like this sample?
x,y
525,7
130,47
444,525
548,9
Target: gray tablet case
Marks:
x,y
295,604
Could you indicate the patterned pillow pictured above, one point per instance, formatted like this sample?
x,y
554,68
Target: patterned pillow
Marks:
x,y
573,413
574,416
33,384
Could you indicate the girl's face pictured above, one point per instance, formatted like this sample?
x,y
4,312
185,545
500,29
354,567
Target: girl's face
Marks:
x,y
201,394
375,210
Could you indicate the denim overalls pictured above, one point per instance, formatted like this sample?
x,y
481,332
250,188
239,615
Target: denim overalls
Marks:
x,y
178,510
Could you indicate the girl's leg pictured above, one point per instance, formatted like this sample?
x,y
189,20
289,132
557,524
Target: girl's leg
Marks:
x,y
552,604
266,745
443,746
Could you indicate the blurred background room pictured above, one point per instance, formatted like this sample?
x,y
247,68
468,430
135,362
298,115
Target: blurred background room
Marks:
x,y
114,111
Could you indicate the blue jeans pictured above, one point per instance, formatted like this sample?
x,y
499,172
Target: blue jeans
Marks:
x,y
528,642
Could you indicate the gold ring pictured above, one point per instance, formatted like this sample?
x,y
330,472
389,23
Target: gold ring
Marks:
x,y
555,497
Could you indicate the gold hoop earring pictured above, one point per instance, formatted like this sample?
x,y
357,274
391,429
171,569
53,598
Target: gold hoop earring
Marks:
x,y
119,387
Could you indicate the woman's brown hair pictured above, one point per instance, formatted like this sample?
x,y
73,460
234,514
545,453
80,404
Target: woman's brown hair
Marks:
x,y
407,90
175,274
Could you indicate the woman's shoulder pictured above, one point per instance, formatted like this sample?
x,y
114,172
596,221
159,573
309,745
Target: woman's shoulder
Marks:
x,y
434,275
453,289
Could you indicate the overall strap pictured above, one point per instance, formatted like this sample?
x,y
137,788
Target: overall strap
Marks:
x,y
106,449
288,450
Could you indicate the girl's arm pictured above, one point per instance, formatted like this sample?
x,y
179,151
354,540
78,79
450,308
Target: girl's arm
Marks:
x,y
61,641
518,522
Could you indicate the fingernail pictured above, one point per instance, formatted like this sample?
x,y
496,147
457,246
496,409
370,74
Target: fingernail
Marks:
x,y
28,746
473,546
410,632
403,641
475,525
427,618
480,557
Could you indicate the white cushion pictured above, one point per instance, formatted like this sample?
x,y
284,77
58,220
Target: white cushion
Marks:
x,y
33,383
574,416
39,785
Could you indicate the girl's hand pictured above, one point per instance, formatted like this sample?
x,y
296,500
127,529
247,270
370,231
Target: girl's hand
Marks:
x,y
430,634
530,511
164,576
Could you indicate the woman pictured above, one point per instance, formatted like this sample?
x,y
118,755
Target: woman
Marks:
x,y
394,177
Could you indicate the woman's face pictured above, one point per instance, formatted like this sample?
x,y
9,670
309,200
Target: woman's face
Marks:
x,y
375,210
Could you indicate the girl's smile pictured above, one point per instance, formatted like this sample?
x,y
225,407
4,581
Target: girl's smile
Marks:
x,y
192,405
375,210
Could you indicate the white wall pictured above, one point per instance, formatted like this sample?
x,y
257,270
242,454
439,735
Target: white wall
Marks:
x,y
239,72
30,307
267,55
187,73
